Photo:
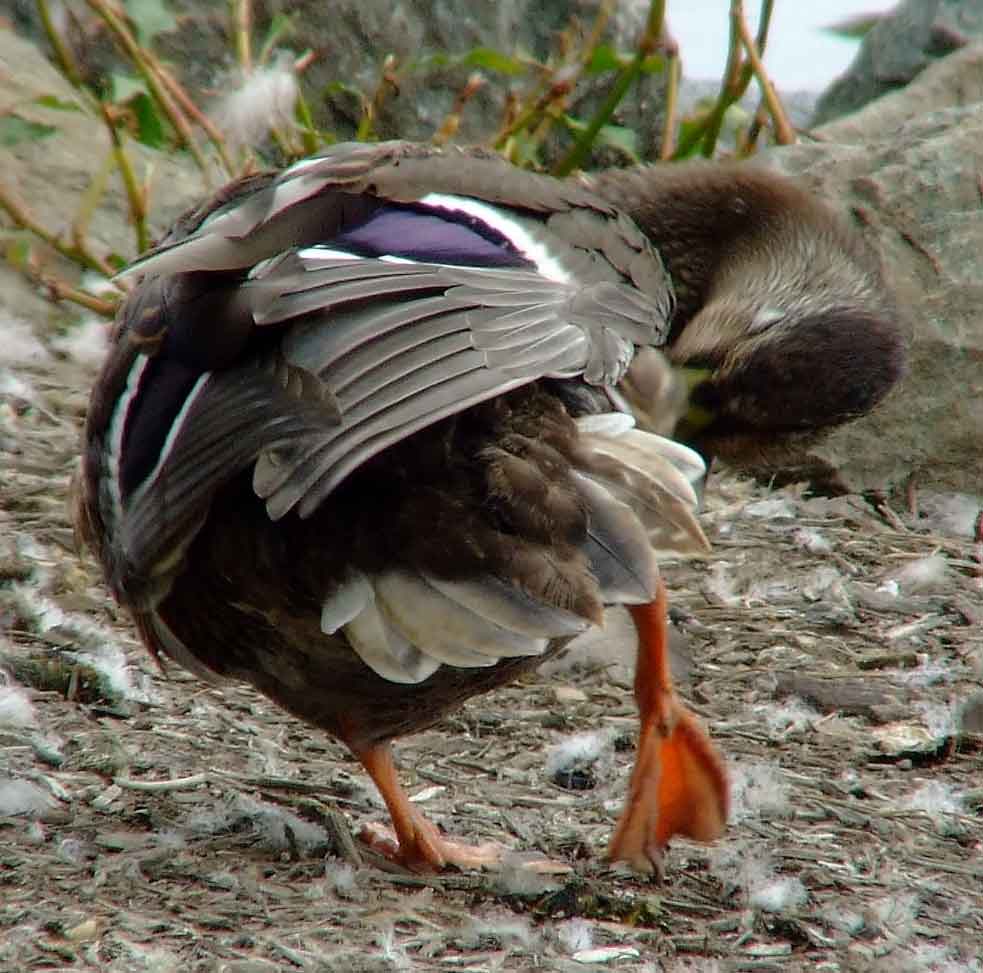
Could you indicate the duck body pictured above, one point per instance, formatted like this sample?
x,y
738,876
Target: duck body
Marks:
x,y
354,444
432,507
378,433
782,313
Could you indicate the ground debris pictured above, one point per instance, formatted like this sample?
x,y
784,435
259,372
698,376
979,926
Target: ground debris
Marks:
x,y
835,652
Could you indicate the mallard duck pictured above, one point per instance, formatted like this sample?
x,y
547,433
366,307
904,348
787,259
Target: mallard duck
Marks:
x,y
783,321
358,443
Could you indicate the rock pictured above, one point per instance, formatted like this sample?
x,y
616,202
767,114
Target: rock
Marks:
x,y
565,695
896,740
898,48
50,174
351,39
905,170
952,82
971,715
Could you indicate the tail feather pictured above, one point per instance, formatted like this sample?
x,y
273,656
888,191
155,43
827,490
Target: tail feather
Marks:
x,y
620,557
653,476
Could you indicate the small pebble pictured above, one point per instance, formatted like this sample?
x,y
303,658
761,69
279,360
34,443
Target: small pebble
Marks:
x,y
86,930
569,694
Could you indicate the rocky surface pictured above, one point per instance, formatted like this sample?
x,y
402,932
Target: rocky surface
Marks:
x,y
906,170
152,824
49,174
903,43
350,40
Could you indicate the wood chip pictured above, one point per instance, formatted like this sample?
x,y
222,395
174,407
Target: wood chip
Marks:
x,y
605,954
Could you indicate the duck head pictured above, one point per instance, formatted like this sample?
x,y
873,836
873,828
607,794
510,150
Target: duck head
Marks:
x,y
784,326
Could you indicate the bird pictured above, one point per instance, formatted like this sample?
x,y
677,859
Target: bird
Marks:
x,y
358,442
784,325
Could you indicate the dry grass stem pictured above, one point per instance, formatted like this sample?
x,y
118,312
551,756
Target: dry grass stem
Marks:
x,y
149,69
784,132
22,217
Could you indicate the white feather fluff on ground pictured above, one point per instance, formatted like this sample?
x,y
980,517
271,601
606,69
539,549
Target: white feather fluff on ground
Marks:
x,y
263,100
86,342
18,343
22,797
591,752
16,709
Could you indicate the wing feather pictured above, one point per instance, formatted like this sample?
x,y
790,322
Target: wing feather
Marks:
x,y
400,346
236,416
654,476
395,345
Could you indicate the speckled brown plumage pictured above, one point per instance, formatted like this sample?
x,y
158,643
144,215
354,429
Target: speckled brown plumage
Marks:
x,y
744,245
447,502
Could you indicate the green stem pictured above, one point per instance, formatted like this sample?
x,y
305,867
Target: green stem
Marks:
x,y
649,42
128,44
308,131
525,118
89,202
784,132
134,194
62,291
63,53
26,220
737,77
242,19
667,146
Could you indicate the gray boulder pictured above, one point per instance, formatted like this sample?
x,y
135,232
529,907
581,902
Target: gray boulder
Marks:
x,y
51,172
901,46
350,40
906,168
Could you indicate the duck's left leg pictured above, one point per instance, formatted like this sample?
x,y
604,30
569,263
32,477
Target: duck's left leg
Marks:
x,y
417,843
678,784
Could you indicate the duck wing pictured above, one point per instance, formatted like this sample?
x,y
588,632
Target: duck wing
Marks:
x,y
306,322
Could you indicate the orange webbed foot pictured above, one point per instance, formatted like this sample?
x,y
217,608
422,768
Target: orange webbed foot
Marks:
x,y
678,787
427,850
679,784
417,844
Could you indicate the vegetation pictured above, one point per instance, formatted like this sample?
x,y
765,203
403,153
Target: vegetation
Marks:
x,y
148,104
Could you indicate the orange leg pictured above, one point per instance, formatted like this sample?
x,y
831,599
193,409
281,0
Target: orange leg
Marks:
x,y
417,843
678,784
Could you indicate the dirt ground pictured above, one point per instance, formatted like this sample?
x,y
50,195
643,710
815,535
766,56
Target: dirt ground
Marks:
x,y
835,649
